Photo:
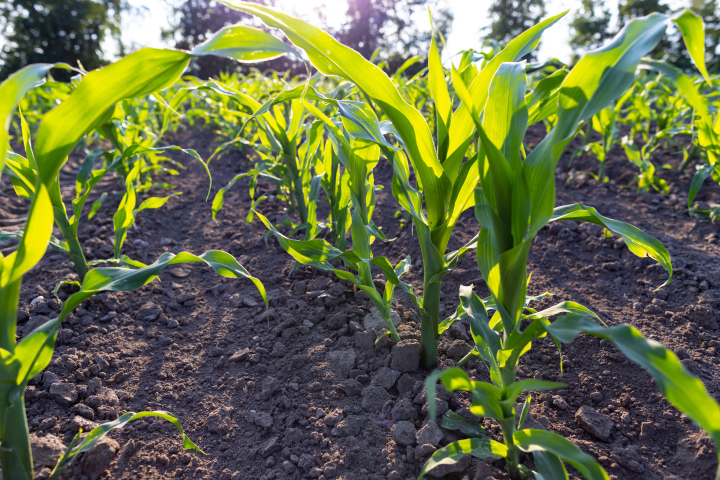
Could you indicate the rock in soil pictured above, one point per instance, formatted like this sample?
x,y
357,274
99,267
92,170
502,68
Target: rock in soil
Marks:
x,y
595,423
95,462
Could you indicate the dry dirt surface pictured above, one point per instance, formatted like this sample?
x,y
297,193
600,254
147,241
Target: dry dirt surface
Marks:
x,y
305,392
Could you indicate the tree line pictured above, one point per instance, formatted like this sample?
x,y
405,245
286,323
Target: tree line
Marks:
x,y
75,31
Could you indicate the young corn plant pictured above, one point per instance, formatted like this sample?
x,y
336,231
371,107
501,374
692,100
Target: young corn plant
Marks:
x,y
445,182
362,157
60,130
514,200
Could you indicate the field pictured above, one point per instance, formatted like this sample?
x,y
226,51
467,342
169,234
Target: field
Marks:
x,y
484,318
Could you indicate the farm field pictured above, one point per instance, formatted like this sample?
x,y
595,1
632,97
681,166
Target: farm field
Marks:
x,y
182,361
481,268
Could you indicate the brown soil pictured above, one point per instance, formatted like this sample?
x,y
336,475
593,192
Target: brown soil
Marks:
x,y
297,403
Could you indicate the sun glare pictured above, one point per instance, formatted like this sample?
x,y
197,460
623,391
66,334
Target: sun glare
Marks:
x,y
319,12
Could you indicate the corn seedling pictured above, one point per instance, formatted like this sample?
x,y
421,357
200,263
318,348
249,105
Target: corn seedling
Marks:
x,y
445,183
60,130
514,200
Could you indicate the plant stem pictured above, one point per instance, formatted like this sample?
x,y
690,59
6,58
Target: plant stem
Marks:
x,y
78,257
508,428
601,173
429,321
16,456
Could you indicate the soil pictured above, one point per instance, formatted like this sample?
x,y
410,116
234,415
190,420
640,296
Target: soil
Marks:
x,y
304,393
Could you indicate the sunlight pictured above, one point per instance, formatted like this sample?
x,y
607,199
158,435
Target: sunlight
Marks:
x,y
318,12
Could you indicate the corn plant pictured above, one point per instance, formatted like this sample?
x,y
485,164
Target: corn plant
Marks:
x,y
445,183
60,130
363,156
514,200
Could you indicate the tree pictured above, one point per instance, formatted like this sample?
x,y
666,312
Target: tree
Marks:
x,y
590,27
395,26
512,17
49,31
639,8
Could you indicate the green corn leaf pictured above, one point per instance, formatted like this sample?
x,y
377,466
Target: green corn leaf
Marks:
x,y
461,128
698,179
544,441
80,445
244,44
524,412
12,90
512,391
141,73
487,340
118,279
639,242
451,454
333,58
693,32
453,421
685,391
549,466
597,79
683,82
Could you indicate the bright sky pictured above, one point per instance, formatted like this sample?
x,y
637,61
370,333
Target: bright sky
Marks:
x,y
470,16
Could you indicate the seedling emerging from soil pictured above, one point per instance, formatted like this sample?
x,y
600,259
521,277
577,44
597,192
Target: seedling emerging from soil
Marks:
x,y
445,183
513,201
141,73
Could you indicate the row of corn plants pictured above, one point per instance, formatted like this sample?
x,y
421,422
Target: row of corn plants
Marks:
x,y
90,108
474,157
459,131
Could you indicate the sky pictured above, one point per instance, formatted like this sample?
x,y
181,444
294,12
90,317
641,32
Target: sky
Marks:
x,y
470,17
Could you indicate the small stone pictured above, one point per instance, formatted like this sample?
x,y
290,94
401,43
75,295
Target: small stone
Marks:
x,y
596,397
149,312
447,469
458,349
351,387
374,322
95,462
424,450
84,410
406,384
430,434
271,446
46,450
263,419
703,315
249,302
103,396
219,421
559,402
350,427
406,356
215,352
595,423
385,377
404,410
242,354
374,398
269,386
179,272
403,433
341,362
64,393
